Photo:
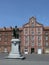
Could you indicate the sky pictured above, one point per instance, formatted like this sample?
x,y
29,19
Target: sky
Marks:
x,y
17,12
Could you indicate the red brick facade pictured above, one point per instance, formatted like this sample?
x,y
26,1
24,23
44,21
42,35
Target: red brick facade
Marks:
x,y
5,37
33,36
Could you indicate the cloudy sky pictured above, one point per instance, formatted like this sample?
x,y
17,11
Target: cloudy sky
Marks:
x,y
18,12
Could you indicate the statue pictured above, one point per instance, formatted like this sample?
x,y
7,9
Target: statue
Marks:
x,y
15,45
16,32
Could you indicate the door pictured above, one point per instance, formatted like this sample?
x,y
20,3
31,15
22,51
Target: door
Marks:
x,y
32,50
39,51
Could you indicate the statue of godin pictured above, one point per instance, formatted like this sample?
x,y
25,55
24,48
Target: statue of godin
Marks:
x,y
16,32
15,45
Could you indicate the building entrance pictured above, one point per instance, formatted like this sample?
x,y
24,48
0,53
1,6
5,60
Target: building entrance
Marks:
x,y
32,50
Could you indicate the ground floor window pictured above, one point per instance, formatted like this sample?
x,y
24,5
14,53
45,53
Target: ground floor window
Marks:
x,y
5,49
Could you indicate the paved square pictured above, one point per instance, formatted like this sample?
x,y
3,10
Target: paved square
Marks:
x,y
32,59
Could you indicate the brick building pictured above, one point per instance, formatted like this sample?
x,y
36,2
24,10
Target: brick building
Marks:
x,y
33,35
5,37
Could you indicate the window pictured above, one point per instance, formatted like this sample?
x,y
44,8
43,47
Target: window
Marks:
x,y
5,39
38,29
46,37
0,39
5,50
39,44
32,38
32,32
32,43
46,33
46,43
39,33
32,24
39,38
26,30
0,34
6,34
26,43
12,33
26,40
26,49
5,43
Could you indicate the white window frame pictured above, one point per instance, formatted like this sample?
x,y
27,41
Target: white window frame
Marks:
x,y
46,37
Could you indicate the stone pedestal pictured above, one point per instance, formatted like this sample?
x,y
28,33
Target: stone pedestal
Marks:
x,y
15,49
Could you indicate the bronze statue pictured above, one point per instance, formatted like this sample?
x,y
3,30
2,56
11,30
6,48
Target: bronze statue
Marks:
x,y
16,32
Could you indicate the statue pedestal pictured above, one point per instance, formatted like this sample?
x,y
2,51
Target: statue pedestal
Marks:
x,y
15,49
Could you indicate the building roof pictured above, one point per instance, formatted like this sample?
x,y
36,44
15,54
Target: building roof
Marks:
x,y
6,29
46,27
35,21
